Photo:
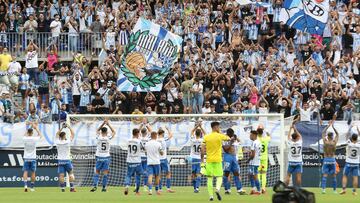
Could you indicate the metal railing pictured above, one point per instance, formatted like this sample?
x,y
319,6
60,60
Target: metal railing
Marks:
x,y
66,43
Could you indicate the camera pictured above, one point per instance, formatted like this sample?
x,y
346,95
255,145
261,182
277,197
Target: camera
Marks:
x,y
286,194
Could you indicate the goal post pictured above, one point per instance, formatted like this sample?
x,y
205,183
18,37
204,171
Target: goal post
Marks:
x,y
85,125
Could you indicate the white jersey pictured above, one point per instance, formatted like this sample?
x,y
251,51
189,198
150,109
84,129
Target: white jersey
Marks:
x,y
144,140
163,141
153,149
295,151
103,145
63,149
30,146
352,153
134,151
256,146
195,151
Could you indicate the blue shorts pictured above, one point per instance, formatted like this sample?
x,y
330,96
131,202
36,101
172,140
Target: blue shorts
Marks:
x,y
134,168
29,165
253,170
231,164
195,166
153,170
144,164
64,166
102,163
295,167
351,169
164,166
329,166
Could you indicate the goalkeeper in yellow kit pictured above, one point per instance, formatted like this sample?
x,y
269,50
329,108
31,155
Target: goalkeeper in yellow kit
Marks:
x,y
264,138
212,147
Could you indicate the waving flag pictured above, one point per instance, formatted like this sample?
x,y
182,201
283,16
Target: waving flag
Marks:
x,y
306,15
148,57
257,3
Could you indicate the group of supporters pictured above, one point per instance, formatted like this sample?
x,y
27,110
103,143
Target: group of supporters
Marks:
x,y
212,155
234,59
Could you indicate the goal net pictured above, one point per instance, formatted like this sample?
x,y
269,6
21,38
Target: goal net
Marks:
x,y
178,148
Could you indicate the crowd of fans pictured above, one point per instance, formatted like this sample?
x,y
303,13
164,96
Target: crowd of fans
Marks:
x,y
234,59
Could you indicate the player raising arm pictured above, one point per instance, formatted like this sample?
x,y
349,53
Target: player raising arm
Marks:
x,y
264,138
164,164
145,130
134,161
30,142
212,148
329,162
153,152
294,144
254,162
231,164
102,154
64,159
352,161
195,154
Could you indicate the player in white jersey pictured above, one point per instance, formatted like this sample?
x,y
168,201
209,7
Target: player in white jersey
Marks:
x,y
103,155
294,144
352,162
153,152
64,158
145,130
164,164
30,142
254,162
195,154
133,161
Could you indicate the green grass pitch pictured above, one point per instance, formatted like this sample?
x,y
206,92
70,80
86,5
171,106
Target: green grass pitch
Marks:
x,y
115,194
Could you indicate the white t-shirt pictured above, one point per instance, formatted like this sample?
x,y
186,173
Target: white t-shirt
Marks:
x,y
56,30
103,145
255,145
305,115
195,151
31,59
143,140
352,153
14,67
163,141
30,146
134,151
295,151
153,149
63,149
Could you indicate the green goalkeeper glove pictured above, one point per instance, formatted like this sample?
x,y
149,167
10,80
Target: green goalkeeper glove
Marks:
x,y
203,168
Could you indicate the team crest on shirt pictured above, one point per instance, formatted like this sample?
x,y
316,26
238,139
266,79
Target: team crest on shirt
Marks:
x,y
147,58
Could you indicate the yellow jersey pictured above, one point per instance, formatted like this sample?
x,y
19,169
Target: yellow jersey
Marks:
x,y
5,59
213,144
264,141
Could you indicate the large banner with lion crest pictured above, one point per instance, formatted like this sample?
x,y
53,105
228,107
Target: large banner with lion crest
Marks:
x,y
148,57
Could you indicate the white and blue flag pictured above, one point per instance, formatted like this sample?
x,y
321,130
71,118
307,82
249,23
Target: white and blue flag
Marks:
x,y
148,57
